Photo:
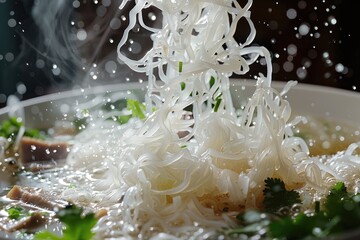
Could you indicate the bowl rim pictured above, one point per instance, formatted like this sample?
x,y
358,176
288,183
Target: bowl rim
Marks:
x,y
108,88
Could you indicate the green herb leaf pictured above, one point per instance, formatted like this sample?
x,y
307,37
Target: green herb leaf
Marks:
x,y
217,103
116,105
300,227
341,213
15,212
180,66
276,196
45,235
77,225
10,128
212,81
136,108
344,206
182,85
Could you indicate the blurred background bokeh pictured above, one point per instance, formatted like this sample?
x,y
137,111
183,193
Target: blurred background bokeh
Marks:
x,y
53,45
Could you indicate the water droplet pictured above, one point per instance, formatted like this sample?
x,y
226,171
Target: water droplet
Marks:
x,y
64,108
76,4
304,29
291,13
301,73
332,20
115,23
288,66
325,55
40,63
152,16
21,88
292,49
11,22
56,71
339,67
9,57
81,34
110,66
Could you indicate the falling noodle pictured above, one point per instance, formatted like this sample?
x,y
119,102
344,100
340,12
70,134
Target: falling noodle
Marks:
x,y
171,176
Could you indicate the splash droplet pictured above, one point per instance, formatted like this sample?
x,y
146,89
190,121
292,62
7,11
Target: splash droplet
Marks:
x,y
81,34
11,22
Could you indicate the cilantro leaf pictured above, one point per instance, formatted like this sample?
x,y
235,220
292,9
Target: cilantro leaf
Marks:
x,y
276,196
301,226
340,213
15,212
344,206
77,225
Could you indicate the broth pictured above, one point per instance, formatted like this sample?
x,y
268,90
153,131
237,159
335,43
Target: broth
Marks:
x,y
337,137
327,137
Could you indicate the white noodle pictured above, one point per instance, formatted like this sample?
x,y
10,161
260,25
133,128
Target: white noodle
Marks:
x,y
158,185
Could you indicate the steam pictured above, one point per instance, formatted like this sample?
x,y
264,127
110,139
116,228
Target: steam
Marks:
x,y
56,43
77,42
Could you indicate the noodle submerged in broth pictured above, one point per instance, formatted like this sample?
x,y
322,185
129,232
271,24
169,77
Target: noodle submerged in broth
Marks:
x,y
189,162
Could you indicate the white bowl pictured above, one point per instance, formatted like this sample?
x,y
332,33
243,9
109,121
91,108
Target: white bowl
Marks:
x,y
325,102
305,99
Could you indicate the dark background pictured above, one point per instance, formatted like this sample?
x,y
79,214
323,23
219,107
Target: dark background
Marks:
x,y
312,41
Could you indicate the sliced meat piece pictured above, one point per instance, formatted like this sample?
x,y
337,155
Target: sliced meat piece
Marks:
x,y
38,198
34,221
38,154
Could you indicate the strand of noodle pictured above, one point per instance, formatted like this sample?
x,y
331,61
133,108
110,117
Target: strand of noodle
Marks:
x,y
352,147
232,30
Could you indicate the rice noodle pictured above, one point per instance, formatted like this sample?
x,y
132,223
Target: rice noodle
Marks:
x,y
158,185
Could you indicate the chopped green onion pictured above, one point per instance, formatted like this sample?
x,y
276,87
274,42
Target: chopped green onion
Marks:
x,y
180,66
